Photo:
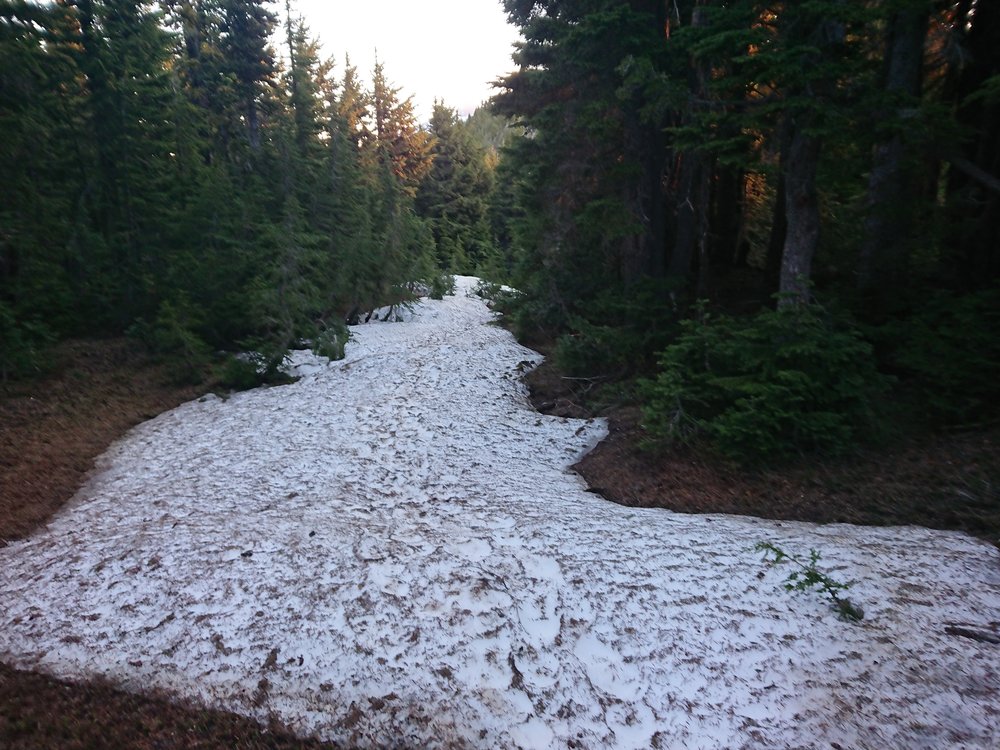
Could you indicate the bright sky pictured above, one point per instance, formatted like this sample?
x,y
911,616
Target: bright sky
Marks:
x,y
445,49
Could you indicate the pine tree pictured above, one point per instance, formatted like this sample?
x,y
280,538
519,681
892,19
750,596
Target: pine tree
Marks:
x,y
41,97
132,104
246,27
353,105
396,138
455,196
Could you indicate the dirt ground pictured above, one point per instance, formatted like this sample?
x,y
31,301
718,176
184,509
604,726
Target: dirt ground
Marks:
x,y
52,429
938,480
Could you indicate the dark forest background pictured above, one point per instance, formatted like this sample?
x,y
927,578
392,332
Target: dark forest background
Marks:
x,y
195,175
784,215
773,226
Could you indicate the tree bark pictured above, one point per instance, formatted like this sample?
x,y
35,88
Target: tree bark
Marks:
x,y
694,184
703,199
825,35
802,212
974,203
686,217
727,218
891,191
779,230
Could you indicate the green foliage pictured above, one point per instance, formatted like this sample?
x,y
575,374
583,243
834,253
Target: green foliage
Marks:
x,y
240,373
579,188
948,357
442,284
592,350
454,198
165,177
620,332
332,341
768,387
809,576
172,337
718,142
22,345
255,367
498,297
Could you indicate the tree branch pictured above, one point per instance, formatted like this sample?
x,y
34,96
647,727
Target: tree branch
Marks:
x,y
981,176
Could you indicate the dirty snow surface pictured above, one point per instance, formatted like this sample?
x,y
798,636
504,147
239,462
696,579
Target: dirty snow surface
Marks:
x,y
393,552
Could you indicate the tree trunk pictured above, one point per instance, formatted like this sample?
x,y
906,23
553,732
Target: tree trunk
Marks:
x,y
703,198
974,206
694,185
727,218
686,217
802,211
253,124
641,254
891,191
779,230
824,35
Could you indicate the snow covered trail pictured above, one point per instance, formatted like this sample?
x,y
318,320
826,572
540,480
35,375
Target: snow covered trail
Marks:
x,y
392,552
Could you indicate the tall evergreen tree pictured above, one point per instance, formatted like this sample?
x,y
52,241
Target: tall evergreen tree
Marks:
x,y
396,138
133,108
455,196
353,105
42,151
244,45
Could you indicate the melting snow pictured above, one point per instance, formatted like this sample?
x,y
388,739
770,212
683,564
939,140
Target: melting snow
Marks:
x,y
392,551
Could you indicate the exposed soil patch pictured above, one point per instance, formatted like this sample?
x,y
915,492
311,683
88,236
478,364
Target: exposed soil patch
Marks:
x,y
53,428
941,481
38,712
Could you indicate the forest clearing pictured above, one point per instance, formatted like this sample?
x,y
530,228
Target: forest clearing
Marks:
x,y
393,551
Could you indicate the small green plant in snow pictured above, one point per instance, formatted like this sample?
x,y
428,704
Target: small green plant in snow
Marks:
x,y
808,576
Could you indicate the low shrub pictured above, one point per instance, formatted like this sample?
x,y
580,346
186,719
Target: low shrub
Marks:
x,y
331,342
499,296
441,285
239,373
172,337
621,331
254,368
595,351
766,388
22,345
947,355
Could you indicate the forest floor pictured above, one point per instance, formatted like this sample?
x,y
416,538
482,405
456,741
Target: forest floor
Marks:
x,y
51,431
940,480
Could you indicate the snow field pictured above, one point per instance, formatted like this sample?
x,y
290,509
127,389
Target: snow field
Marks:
x,y
392,552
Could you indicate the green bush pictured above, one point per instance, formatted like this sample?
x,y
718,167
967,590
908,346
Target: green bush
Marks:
x,y
332,341
22,345
948,355
766,388
254,368
171,337
594,351
239,373
620,332
442,284
497,295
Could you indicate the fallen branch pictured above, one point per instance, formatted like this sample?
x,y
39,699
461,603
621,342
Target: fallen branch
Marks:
x,y
976,634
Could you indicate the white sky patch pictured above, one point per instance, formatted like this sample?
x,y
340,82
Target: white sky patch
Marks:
x,y
392,552
444,49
